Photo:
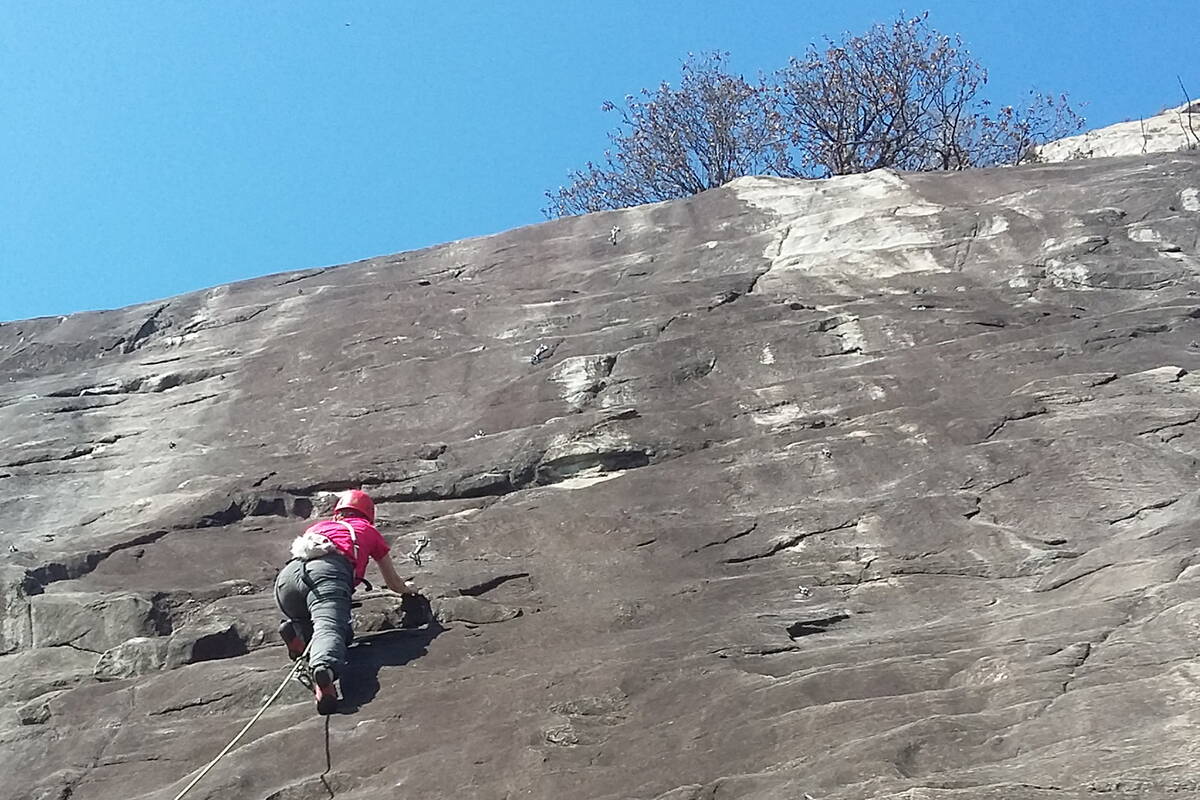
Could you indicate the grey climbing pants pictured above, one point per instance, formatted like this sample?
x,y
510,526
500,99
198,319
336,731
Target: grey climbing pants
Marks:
x,y
315,596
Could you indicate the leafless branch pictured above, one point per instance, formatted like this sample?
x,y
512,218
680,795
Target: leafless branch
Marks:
x,y
901,96
1187,109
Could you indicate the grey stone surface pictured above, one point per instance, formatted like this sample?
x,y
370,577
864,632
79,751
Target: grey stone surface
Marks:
x,y
208,641
92,621
36,671
877,487
473,610
138,656
15,623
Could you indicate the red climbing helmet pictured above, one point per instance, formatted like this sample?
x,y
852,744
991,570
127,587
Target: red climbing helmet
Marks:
x,y
359,501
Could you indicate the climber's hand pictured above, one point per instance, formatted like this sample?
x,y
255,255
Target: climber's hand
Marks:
x,y
415,610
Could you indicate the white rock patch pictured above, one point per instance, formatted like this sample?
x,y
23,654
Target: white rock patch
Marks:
x,y
1067,276
864,226
1165,374
852,334
767,356
579,376
542,304
921,210
565,446
779,415
995,225
1190,199
1070,244
1162,133
588,477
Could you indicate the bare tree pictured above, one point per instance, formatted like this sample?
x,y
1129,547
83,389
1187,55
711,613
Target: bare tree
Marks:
x,y
901,96
674,142
1007,136
907,97
894,97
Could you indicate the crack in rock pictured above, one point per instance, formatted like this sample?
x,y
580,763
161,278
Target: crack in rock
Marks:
x,y
77,647
809,627
251,504
76,452
962,248
1158,504
217,322
1080,652
190,704
202,398
303,276
83,407
670,321
147,329
790,541
1167,426
729,296
766,649
1058,583
143,384
538,471
78,565
758,276
557,470
87,449
1013,417
1006,482
483,587
753,527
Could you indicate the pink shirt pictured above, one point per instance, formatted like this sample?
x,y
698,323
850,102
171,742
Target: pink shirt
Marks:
x,y
371,543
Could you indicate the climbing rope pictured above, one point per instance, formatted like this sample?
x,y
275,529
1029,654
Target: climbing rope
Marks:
x,y
291,674
328,761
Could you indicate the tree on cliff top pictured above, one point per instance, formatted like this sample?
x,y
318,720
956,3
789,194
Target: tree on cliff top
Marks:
x,y
677,142
901,96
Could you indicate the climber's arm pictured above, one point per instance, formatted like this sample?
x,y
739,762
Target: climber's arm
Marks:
x,y
392,578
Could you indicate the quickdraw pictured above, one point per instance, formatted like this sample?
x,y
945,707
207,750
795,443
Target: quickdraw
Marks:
x,y
421,544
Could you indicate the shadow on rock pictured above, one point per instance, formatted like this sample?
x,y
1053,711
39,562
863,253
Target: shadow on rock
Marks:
x,y
371,652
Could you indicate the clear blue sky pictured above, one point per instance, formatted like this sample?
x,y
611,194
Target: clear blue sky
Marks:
x,y
153,148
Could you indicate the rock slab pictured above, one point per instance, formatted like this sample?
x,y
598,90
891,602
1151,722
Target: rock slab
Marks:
x,y
877,487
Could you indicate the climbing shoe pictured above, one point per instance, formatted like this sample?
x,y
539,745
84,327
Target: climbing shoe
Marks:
x,y
326,691
295,643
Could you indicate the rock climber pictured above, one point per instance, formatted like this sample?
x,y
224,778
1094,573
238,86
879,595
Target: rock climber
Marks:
x,y
313,589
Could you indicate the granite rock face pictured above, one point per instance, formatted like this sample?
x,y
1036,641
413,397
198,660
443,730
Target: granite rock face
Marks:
x,y
881,486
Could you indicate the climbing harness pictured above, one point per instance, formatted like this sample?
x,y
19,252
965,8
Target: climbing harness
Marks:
x,y
315,546
296,666
353,542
